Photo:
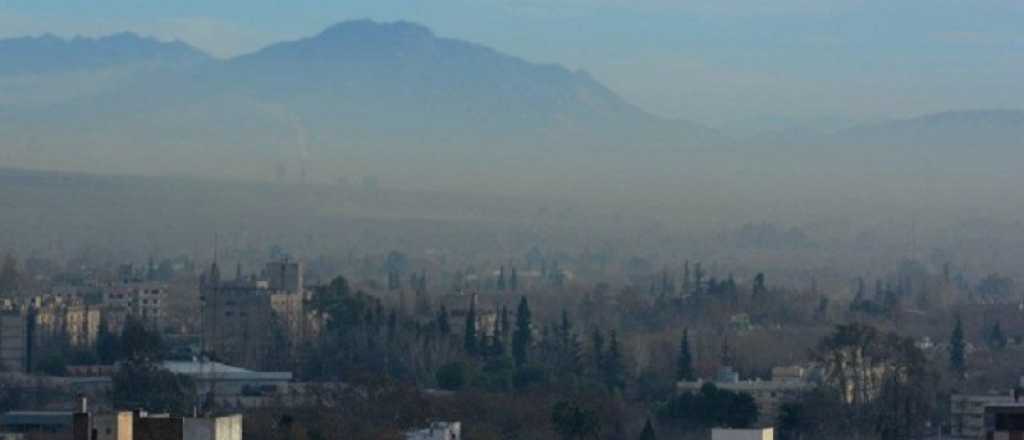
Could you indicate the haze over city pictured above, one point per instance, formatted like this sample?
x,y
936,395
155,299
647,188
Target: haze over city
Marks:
x,y
498,219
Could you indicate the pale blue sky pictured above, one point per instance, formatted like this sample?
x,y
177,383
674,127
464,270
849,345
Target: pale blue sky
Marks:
x,y
727,63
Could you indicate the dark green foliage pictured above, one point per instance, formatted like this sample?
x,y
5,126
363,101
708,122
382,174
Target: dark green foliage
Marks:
x,y
10,278
53,365
759,287
996,338
648,432
684,367
523,336
513,280
108,348
443,326
470,341
140,384
497,375
573,422
452,376
597,350
528,376
958,350
711,407
614,369
138,342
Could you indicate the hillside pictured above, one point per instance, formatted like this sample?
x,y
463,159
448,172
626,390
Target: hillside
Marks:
x,y
347,102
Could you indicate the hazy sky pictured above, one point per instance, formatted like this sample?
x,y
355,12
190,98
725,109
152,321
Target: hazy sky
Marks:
x,y
727,63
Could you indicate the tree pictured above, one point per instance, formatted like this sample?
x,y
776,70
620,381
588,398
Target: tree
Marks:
x,y
711,407
452,376
443,325
759,287
996,337
614,368
958,350
522,337
140,384
470,340
139,342
648,432
597,351
513,280
573,422
684,369
107,344
9,276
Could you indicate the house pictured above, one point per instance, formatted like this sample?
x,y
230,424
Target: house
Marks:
x,y
769,395
1004,421
967,414
14,346
437,431
123,425
743,434
230,386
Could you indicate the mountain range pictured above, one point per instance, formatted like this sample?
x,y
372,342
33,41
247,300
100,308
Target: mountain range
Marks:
x,y
365,99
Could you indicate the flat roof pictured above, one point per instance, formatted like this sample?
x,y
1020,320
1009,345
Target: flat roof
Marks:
x,y
219,371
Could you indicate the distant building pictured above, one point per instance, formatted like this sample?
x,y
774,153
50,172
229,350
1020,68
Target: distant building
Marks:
x,y
137,425
37,423
14,346
437,431
743,434
229,386
1004,421
240,316
141,300
65,316
788,384
285,276
968,413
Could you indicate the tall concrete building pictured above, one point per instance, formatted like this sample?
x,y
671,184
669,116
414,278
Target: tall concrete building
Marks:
x,y
285,276
240,315
14,346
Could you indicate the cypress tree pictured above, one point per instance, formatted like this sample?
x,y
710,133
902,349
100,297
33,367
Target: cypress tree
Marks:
x,y
522,336
443,325
648,432
513,280
996,337
958,350
597,351
615,370
684,369
470,338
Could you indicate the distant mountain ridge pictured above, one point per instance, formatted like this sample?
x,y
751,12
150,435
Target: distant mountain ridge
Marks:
x,y
948,129
49,53
394,100
350,100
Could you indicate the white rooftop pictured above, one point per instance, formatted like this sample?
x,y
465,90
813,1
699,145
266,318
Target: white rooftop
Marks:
x,y
218,371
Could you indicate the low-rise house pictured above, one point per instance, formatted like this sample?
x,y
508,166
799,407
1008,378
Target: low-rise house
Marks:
x,y
1004,421
769,395
743,434
124,425
437,431
230,386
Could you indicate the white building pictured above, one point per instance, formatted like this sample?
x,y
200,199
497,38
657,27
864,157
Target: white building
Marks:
x,y
437,431
232,386
743,434
967,413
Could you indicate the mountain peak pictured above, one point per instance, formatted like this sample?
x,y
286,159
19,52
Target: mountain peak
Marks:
x,y
369,29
